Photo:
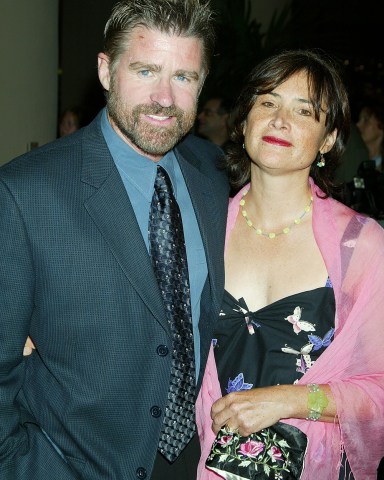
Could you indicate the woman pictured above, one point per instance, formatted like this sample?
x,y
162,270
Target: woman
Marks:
x,y
299,339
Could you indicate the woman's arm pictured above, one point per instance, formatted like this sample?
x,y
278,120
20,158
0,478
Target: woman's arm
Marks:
x,y
28,347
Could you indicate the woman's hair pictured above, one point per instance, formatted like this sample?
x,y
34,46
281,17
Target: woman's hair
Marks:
x,y
187,18
326,89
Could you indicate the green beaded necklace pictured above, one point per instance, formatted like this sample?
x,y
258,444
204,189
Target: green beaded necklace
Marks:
x,y
272,234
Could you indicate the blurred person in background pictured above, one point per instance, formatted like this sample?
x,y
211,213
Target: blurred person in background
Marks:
x,y
70,121
371,127
213,121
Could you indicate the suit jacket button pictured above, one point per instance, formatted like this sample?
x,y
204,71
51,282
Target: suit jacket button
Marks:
x,y
141,473
162,350
156,411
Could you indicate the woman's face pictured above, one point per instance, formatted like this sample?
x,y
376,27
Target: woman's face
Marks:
x,y
281,132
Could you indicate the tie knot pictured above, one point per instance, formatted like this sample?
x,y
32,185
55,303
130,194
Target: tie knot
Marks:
x,y
162,181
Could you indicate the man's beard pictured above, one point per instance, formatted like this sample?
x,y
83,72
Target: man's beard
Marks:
x,y
151,139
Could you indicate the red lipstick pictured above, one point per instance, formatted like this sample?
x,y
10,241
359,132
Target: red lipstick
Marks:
x,y
277,141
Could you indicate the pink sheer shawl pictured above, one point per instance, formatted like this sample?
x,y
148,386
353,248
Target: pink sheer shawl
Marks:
x,y
353,365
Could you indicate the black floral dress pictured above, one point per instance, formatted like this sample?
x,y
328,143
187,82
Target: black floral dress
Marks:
x,y
276,344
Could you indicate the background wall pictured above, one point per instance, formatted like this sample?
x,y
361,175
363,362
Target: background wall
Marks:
x,y
28,80
49,53
263,10
81,26
349,29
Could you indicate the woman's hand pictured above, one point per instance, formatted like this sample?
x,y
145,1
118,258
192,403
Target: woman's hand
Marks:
x,y
28,347
252,410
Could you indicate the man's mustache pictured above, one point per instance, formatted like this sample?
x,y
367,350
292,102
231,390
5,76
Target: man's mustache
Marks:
x,y
171,111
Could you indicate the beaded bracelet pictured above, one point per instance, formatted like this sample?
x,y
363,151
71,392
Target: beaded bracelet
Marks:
x,y
317,401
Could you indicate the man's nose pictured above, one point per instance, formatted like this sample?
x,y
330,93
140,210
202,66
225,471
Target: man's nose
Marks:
x,y
163,93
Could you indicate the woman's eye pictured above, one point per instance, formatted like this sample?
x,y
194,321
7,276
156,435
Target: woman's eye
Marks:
x,y
305,112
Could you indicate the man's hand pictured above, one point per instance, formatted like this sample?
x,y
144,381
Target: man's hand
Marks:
x,y
28,347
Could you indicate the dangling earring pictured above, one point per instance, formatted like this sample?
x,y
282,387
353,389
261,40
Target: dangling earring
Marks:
x,y
243,146
321,162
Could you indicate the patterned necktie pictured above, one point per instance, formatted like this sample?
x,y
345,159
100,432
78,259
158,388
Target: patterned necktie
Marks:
x,y
169,259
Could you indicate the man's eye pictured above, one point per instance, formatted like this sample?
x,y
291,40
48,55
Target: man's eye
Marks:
x,y
145,73
182,78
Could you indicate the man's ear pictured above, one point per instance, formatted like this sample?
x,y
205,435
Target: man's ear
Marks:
x,y
103,70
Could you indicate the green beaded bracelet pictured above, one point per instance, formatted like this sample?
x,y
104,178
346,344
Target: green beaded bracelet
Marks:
x,y
317,401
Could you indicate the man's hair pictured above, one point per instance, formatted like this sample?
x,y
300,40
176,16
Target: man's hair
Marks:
x,y
186,18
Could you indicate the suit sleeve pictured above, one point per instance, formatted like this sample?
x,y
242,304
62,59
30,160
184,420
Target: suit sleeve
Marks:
x,y
25,452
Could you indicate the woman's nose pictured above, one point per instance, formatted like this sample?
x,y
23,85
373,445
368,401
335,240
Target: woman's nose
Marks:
x,y
280,119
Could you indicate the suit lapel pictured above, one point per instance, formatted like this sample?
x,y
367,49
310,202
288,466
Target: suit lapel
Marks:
x,y
112,212
206,210
211,218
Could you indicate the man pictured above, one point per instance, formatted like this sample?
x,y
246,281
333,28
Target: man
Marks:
x,y
78,275
213,121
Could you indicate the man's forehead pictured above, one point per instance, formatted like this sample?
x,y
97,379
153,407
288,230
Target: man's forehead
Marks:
x,y
160,39
159,50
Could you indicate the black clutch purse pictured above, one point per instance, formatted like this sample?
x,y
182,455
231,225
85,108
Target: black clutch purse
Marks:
x,y
274,453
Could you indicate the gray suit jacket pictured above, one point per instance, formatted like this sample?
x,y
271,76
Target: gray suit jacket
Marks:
x,y
75,275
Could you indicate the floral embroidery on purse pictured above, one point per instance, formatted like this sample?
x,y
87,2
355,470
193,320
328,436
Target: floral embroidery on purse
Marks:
x,y
274,453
